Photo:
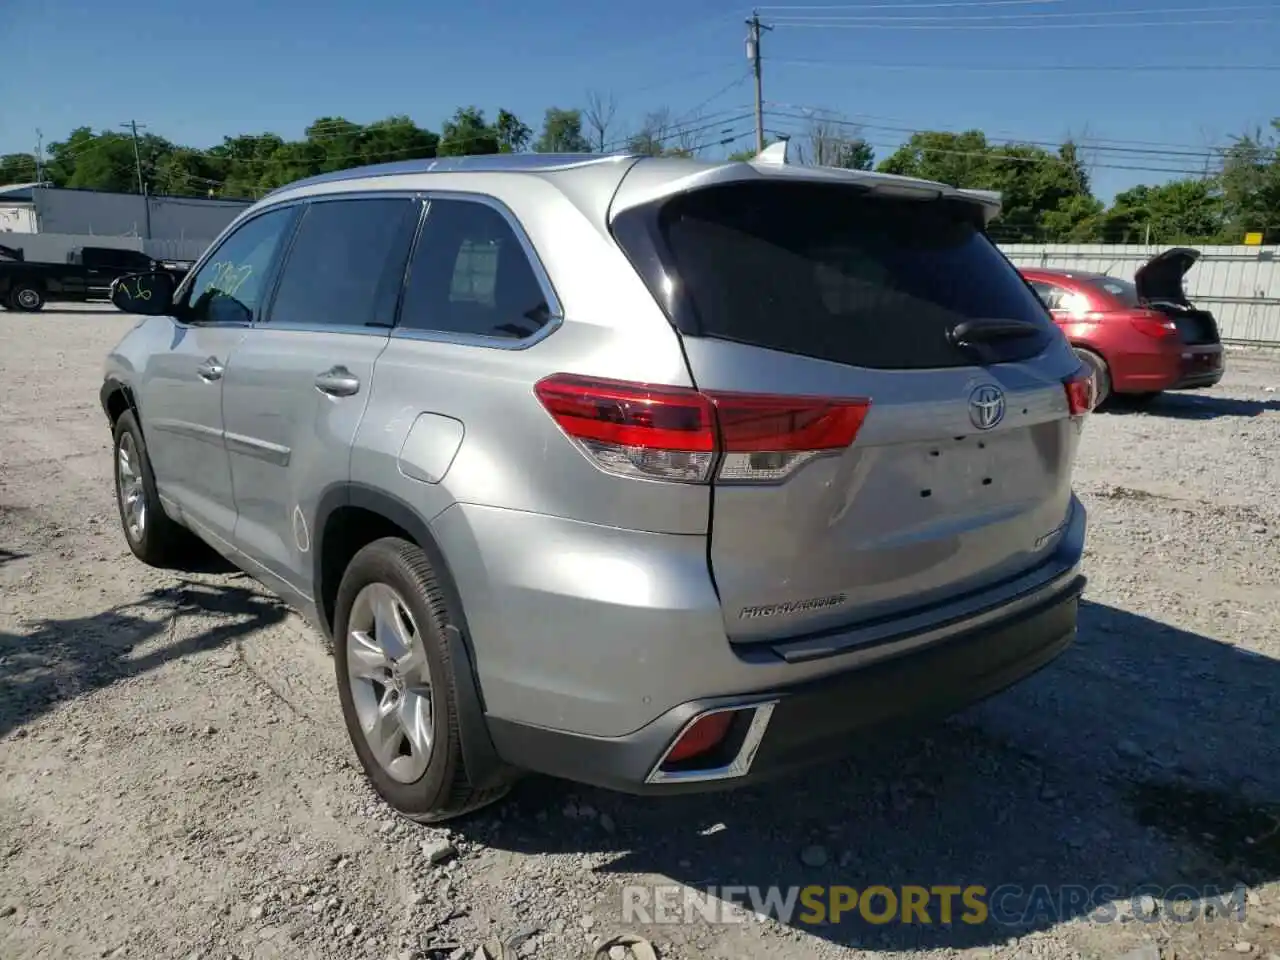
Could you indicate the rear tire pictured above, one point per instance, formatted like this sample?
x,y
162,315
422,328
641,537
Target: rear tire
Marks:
x,y
152,536
396,684
27,298
1101,375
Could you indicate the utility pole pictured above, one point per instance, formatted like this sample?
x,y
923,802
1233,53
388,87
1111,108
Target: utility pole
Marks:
x,y
132,126
39,156
755,27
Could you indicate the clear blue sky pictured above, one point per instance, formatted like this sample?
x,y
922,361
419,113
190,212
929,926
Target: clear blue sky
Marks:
x,y
196,71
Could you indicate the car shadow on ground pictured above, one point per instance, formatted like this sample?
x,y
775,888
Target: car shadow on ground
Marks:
x,y
7,556
57,660
1143,760
1196,406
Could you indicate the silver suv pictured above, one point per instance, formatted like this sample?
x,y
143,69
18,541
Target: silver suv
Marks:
x,y
655,474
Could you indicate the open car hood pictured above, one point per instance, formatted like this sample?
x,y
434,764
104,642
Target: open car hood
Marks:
x,y
1160,278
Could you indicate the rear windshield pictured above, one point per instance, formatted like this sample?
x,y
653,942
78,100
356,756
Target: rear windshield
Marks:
x,y
1121,290
837,274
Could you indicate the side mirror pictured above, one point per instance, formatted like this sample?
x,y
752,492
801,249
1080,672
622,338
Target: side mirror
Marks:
x,y
150,294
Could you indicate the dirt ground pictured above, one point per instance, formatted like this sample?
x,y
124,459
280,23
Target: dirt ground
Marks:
x,y
175,781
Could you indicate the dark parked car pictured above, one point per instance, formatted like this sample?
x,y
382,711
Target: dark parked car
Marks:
x,y
1140,338
87,274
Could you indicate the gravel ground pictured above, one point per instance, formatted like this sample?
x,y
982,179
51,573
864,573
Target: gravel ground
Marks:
x,y
175,781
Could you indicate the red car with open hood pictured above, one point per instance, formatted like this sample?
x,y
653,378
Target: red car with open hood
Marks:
x,y
1140,338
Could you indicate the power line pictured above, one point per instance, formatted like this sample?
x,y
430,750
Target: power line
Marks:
x,y
919,6
995,155
1036,68
1099,144
675,132
865,119
688,114
1073,15
1024,26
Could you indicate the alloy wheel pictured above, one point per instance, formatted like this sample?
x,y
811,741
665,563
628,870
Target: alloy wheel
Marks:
x,y
133,496
390,682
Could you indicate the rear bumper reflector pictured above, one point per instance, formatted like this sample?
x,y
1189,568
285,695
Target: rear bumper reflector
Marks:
x,y
694,756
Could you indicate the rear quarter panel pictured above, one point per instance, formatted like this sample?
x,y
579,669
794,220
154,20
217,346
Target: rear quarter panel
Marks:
x,y
513,455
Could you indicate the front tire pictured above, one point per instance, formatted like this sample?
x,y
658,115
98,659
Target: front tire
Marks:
x,y
27,298
152,536
396,683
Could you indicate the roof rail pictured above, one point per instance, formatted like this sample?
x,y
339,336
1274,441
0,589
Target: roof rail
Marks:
x,y
487,163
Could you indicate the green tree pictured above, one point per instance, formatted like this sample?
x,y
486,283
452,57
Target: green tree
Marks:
x,y
1046,193
562,133
857,154
106,161
1183,211
397,138
17,168
1251,187
466,133
513,134
1041,191
187,172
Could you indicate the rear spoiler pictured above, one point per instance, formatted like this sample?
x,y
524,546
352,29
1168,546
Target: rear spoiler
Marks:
x,y
656,179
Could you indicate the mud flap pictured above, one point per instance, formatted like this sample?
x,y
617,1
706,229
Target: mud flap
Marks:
x,y
485,769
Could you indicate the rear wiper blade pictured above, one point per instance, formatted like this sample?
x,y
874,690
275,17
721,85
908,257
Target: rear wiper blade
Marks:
x,y
987,329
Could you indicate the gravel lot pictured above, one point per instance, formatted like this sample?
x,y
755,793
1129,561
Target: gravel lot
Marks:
x,y
175,781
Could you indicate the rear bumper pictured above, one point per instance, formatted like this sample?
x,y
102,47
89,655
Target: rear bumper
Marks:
x,y
1200,366
814,721
1160,367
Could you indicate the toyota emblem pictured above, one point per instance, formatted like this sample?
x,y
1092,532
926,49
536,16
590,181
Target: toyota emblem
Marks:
x,y
986,406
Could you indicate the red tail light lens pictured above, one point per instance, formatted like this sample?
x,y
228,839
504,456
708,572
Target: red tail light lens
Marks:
x,y
1082,393
1155,325
704,735
677,433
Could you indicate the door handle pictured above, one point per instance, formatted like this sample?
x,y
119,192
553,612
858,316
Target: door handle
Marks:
x,y
338,382
210,370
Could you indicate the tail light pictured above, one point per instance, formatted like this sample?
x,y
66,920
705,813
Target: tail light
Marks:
x,y
1082,393
686,435
1155,325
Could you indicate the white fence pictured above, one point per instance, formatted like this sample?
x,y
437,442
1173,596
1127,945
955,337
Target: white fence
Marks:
x,y
1241,285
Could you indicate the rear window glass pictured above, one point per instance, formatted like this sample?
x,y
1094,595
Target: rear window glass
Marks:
x,y
1121,290
837,274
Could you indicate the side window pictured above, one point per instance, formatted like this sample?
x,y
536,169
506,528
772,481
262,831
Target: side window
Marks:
x,y
470,275
230,286
1049,295
346,263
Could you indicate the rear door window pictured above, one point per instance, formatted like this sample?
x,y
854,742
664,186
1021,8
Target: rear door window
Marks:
x,y
471,276
837,274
